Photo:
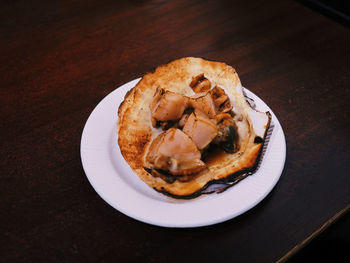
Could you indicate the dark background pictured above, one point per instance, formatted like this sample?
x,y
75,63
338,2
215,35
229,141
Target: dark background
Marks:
x,y
332,244
337,10
58,59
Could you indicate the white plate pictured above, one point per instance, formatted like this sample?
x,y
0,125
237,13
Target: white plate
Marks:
x,y
116,183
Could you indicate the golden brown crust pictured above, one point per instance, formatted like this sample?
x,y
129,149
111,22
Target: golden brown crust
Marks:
x,y
135,132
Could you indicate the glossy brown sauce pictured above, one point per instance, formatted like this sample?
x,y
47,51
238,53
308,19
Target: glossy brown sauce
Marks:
x,y
213,155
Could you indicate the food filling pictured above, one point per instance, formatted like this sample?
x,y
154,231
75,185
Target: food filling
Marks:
x,y
191,125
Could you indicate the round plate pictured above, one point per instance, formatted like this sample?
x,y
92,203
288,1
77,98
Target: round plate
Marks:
x,y
119,186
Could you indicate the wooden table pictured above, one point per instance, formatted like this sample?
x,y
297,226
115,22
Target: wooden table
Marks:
x,y
59,59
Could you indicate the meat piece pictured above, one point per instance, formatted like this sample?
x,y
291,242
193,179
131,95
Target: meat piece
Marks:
x,y
200,129
227,136
222,116
221,100
205,104
167,106
175,152
200,84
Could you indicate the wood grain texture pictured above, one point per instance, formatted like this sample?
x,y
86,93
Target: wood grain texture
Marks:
x,y
58,59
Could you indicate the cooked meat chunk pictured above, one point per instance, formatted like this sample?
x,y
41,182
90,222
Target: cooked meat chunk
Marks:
x,y
174,151
167,106
200,83
200,129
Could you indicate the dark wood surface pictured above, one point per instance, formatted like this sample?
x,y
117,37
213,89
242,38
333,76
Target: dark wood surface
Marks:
x,y
58,59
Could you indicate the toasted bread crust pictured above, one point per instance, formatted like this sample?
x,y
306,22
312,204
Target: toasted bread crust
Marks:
x,y
135,132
